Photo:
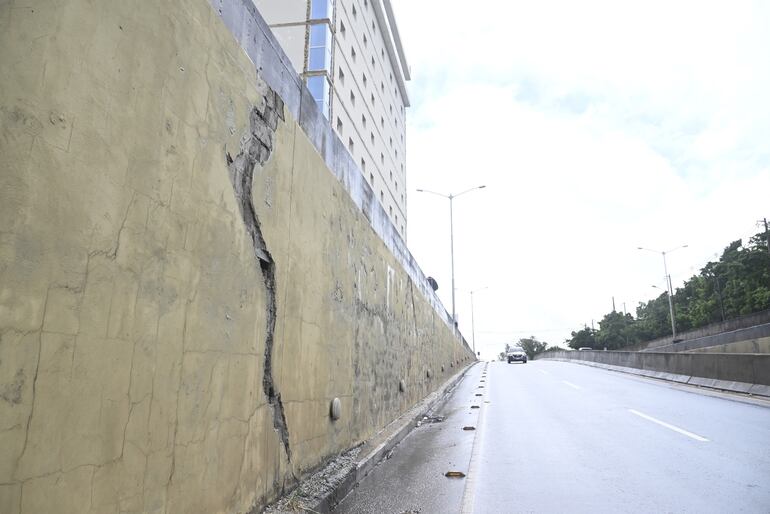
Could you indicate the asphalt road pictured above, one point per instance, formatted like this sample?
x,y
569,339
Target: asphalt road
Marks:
x,y
561,437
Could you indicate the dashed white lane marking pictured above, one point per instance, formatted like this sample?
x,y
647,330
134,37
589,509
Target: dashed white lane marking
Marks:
x,y
572,385
669,426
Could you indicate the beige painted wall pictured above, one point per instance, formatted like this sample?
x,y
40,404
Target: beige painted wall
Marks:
x,y
132,307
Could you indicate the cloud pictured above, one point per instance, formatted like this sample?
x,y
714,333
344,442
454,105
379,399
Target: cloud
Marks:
x,y
598,127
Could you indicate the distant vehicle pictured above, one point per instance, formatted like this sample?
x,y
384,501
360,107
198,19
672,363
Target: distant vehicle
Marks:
x,y
583,348
516,354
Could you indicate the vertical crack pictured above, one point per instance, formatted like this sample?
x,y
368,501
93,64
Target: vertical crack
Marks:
x,y
256,147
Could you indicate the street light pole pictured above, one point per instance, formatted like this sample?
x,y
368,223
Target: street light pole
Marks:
x,y
452,258
669,288
473,325
670,297
451,197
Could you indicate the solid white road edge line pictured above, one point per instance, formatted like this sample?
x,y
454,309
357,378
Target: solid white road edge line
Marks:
x,y
572,385
669,426
469,493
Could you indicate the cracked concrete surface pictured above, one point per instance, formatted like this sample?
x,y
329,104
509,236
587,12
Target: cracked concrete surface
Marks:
x,y
256,146
136,363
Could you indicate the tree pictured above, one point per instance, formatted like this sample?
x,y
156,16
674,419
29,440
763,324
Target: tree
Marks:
x,y
585,338
736,285
532,346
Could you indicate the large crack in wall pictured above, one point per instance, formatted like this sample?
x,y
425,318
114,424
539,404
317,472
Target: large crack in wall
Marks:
x,y
256,147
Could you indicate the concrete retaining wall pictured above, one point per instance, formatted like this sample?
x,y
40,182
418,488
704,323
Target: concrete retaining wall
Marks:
x,y
744,322
753,339
748,373
191,267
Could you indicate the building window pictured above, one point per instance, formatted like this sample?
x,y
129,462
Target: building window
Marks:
x,y
371,136
353,53
396,218
363,164
339,126
390,209
355,13
373,28
319,89
372,98
391,109
391,77
341,76
382,53
363,77
382,87
352,98
402,229
396,153
363,120
371,178
321,9
350,145
320,50
382,158
391,175
390,140
382,122
382,197
365,41
342,29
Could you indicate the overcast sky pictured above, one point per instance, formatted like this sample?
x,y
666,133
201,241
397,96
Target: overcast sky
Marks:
x,y
597,127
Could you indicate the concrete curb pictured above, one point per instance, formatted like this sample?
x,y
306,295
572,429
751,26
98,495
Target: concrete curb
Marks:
x,y
379,446
709,383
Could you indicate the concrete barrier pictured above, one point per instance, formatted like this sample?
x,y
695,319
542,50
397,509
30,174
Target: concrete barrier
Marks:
x,y
744,373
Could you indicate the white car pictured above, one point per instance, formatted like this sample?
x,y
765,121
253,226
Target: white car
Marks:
x,y
516,354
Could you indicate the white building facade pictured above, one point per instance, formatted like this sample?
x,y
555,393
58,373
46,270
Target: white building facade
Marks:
x,y
350,54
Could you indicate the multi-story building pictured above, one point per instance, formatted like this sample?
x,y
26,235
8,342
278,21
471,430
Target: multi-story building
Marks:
x,y
349,53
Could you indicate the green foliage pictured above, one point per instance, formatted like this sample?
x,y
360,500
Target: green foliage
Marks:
x,y
531,346
736,285
582,339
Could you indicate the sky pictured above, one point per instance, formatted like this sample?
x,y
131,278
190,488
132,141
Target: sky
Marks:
x,y
596,127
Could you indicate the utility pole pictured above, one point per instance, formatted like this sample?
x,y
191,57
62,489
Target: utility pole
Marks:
x,y
767,233
613,304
